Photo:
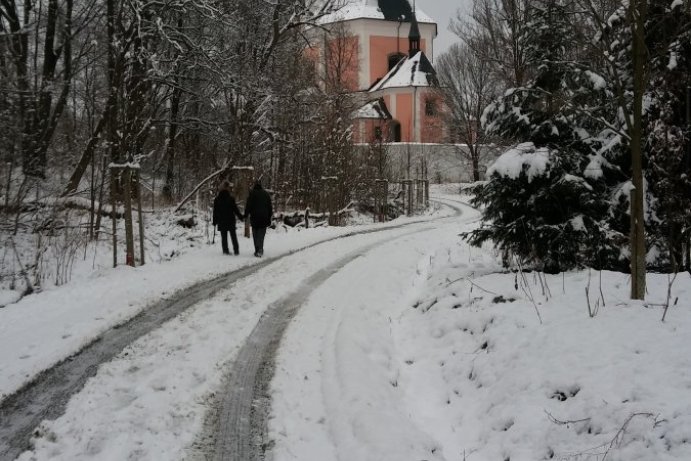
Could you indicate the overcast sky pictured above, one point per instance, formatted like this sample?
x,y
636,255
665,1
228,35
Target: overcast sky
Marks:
x,y
442,11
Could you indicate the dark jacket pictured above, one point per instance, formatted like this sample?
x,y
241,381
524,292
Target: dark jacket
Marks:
x,y
225,210
258,207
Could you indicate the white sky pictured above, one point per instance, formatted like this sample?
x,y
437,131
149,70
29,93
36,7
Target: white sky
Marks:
x,y
442,11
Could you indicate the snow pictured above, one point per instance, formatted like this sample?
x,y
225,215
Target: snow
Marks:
x,y
45,327
151,398
672,64
420,348
457,365
575,179
373,110
577,223
597,80
366,9
8,297
522,158
594,168
676,3
408,72
353,364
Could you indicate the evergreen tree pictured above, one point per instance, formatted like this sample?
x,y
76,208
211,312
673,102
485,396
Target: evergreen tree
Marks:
x,y
547,201
668,171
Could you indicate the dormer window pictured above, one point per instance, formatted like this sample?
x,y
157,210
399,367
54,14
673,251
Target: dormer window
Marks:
x,y
394,58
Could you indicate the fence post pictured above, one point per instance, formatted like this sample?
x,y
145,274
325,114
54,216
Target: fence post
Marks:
x,y
407,185
426,181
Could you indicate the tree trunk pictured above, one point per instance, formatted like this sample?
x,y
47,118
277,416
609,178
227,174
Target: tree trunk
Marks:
x,y
638,251
169,187
88,153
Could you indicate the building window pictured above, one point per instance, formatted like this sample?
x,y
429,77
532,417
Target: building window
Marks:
x,y
430,107
394,58
396,132
377,133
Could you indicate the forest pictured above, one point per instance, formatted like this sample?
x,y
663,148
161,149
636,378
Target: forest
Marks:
x,y
178,91
589,99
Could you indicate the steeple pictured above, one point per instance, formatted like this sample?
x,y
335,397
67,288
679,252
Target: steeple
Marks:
x,y
414,37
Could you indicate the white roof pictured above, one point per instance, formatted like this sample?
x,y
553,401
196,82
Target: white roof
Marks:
x,y
375,109
366,9
415,71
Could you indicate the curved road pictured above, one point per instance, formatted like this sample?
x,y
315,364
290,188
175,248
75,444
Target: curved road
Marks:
x,y
237,432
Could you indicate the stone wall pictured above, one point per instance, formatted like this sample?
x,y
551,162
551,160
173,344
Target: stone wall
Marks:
x,y
445,162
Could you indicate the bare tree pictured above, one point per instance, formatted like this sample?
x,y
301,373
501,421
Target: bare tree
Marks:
x,y
466,86
494,35
38,67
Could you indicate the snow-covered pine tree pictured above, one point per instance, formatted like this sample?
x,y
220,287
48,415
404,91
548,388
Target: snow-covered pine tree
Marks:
x,y
668,171
546,201
665,136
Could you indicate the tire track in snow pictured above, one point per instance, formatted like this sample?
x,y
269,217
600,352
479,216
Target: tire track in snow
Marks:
x,y
46,396
239,432
241,429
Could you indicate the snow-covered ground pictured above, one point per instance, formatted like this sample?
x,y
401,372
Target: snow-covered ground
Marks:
x,y
43,328
421,348
446,358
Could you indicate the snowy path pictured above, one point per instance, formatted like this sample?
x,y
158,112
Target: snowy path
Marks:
x,y
241,431
335,394
155,392
46,397
396,344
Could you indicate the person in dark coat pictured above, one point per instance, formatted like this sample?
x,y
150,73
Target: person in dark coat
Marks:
x,y
225,211
260,211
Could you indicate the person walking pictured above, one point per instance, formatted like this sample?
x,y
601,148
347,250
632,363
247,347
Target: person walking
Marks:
x,y
225,211
259,210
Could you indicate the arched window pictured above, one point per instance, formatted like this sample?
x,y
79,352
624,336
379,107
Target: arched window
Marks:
x,y
394,58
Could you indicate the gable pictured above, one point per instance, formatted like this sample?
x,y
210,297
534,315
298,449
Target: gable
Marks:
x,y
409,72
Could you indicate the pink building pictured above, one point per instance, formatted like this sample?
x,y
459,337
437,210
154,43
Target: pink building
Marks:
x,y
382,50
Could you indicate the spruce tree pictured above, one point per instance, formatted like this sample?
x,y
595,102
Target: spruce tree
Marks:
x,y
546,201
668,171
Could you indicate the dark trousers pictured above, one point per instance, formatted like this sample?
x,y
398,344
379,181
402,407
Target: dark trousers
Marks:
x,y
258,234
233,238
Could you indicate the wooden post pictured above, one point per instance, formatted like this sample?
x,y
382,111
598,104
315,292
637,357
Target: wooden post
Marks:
x,y
426,193
407,185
